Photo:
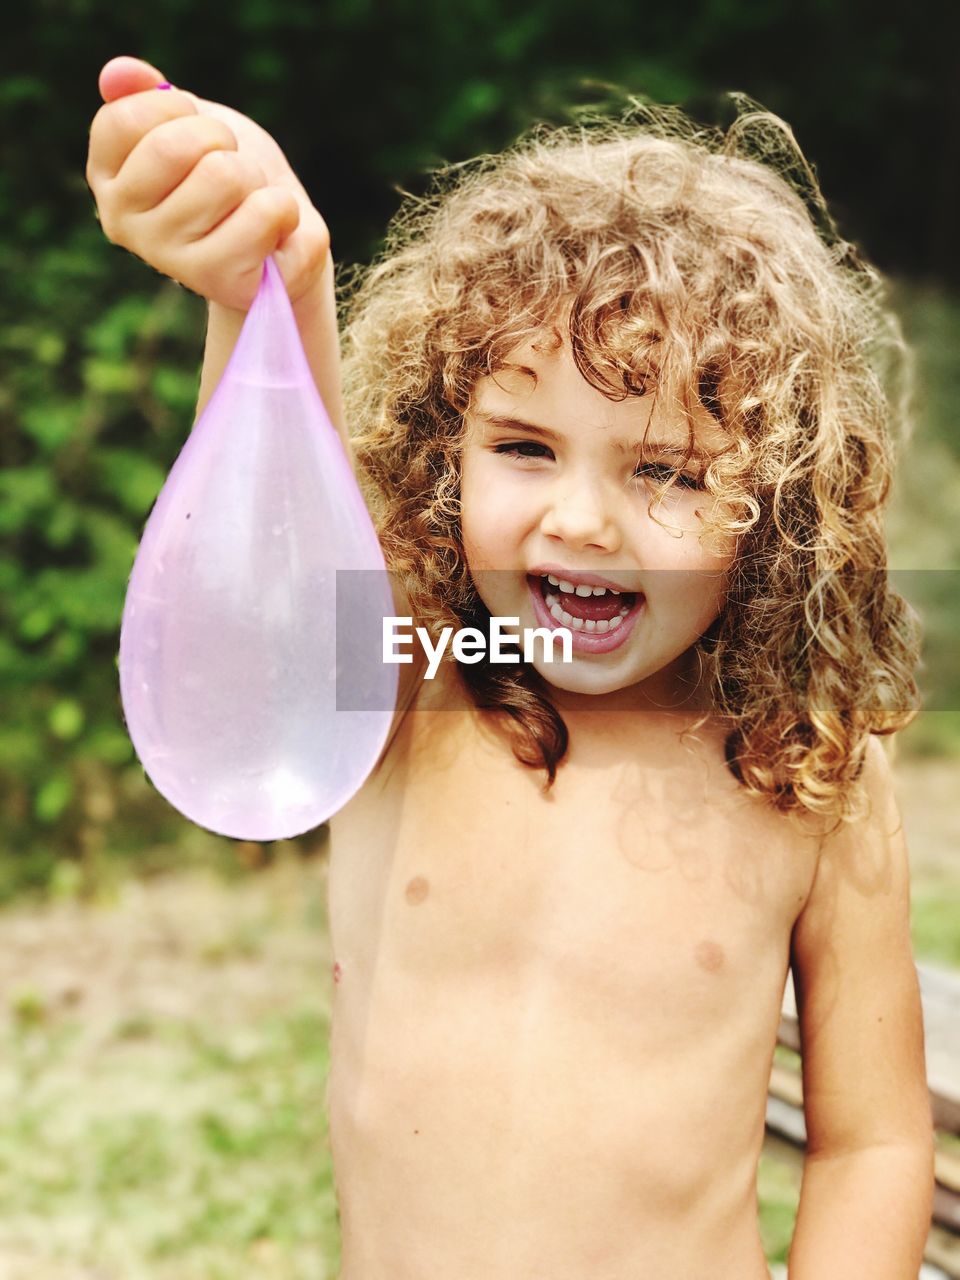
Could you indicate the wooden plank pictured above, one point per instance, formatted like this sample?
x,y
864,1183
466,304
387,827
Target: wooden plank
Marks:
x,y
787,1122
786,1085
946,1209
943,1250
948,1169
928,1272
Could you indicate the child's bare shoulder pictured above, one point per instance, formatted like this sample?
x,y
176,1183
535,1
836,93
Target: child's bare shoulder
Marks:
x,y
869,850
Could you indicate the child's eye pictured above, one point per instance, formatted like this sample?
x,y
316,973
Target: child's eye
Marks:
x,y
662,473
518,449
659,472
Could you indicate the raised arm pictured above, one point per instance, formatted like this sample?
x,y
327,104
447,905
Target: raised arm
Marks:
x,y
867,1189
204,195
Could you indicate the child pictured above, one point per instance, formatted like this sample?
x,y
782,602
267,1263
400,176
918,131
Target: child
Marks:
x,y
614,380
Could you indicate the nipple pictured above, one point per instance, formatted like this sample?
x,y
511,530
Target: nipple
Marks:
x,y
251,670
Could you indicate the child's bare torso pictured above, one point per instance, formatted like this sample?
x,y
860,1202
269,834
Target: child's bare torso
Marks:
x,y
554,1016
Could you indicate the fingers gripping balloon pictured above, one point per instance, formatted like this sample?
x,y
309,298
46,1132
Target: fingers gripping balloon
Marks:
x,y
258,556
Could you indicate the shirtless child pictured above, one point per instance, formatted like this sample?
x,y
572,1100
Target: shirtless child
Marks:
x,y
564,906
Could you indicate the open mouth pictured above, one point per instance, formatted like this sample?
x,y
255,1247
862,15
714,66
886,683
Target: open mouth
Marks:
x,y
592,610
598,618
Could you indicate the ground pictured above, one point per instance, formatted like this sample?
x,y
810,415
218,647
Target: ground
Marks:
x,y
161,1083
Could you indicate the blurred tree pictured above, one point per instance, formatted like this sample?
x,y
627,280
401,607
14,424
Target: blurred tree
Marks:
x,y
364,96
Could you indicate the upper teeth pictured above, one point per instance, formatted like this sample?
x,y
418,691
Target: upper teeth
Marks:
x,y
581,589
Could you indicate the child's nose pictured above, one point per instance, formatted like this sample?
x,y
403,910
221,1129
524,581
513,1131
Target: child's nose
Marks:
x,y
581,519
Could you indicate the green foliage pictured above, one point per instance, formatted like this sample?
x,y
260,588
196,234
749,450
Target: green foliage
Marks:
x,y
935,921
97,399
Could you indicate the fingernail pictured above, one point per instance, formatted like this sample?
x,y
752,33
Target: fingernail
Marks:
x,y
164,85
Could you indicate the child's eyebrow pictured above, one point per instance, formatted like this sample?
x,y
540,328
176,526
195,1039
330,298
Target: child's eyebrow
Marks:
x,y
634,448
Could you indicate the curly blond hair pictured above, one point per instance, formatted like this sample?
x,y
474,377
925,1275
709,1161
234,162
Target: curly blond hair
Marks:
x,y
695,258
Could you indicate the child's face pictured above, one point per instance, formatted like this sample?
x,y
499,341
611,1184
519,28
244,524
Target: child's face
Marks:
x,y
581,502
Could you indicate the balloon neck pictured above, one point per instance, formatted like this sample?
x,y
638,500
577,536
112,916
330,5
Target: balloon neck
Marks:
x,y
269,352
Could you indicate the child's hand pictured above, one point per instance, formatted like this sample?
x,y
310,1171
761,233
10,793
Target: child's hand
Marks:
x,y
198,191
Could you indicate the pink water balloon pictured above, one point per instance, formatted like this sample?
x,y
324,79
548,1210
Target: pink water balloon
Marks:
x,y
251,669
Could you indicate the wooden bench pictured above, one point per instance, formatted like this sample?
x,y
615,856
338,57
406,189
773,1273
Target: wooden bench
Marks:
x,y
786,1130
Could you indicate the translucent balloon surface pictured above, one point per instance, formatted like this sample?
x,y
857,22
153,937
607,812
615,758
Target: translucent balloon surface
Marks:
x,y
251,669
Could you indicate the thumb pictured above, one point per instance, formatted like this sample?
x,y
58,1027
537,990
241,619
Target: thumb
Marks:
x,y
126,75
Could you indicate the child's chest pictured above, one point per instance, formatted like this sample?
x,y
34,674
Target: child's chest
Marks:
x,y
643,877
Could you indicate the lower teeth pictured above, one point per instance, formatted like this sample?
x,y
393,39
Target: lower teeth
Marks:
x,y
589,625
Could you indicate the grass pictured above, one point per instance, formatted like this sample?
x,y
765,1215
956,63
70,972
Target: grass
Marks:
x,y
778,1192
144,1136
183,1154
935,921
